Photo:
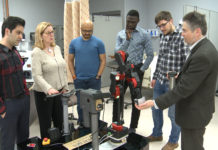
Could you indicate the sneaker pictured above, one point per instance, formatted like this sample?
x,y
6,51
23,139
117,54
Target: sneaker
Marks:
x,y
154,138
170,146
132,130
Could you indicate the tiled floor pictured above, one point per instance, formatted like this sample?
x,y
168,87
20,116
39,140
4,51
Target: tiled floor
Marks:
x,y
146,125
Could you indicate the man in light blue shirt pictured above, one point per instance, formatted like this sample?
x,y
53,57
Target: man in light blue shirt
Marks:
x,y
136,43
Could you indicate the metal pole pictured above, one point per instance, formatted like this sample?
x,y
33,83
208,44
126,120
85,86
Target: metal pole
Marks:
x,y
94,128
66,130
65,115
172,75
7,8
3,6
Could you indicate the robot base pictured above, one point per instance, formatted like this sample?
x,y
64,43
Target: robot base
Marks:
x,y
118,136
132,142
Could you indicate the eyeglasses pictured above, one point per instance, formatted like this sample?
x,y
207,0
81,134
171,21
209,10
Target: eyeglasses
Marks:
x,y
49,33
87,31
162,25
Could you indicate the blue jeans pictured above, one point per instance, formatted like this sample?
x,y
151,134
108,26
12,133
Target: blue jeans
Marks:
x,y
91,83
157,115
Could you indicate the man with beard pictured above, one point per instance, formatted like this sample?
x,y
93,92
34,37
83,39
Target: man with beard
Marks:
x,y
14,95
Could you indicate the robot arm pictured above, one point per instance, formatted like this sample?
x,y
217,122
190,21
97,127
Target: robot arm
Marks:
x,y
125,73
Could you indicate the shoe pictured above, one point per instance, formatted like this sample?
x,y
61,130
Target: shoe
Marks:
x,y
170,146
132,130
154,138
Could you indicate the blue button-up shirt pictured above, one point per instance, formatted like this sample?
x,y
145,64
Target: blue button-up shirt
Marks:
x,y
136,47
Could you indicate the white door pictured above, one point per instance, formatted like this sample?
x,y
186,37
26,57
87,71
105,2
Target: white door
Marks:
x,y
106,29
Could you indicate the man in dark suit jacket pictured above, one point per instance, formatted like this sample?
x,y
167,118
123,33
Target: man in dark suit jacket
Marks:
x,y
194,92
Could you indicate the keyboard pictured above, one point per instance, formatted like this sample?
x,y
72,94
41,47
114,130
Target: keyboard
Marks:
x,y
78,142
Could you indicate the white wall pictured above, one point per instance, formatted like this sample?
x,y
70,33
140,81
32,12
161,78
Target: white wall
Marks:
x,y
1,11
123,5
141,6
175,7
107,5
36,11
1,29
101,23
149,8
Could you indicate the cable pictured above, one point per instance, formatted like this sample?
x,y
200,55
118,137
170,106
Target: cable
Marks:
x,y
103,110
105,137
102,138
78,146
97,130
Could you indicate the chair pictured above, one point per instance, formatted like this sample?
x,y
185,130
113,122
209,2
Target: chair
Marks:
x,y
127,98
109,99
71,103
33,111
126,104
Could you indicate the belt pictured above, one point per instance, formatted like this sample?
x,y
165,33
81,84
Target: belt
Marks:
x,y
15,97
138,65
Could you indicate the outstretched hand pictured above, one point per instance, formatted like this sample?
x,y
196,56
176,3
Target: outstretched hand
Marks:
x,y
145,105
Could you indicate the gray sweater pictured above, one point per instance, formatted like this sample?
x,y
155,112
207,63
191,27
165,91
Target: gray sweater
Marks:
x,y
48,71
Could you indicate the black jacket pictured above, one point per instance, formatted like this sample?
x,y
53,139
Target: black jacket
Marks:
x,y
194,93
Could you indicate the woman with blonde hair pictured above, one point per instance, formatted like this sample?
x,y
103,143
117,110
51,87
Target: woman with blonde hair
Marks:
x,y
50,77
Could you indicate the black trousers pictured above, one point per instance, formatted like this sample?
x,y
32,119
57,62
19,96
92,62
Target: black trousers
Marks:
x,y
48,109
192,139
15,125
135,112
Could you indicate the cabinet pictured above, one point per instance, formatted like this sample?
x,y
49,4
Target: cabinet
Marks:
x,y
212,21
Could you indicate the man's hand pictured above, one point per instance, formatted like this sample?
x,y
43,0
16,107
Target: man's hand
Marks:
x,y
74,77
52,91
3,115
64,91
145,105
98,77
176,76
128,34
153,83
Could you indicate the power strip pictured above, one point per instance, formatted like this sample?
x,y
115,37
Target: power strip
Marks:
x,y
78,142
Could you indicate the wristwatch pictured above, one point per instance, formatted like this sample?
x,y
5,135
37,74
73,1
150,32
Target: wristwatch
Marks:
x,y
74,77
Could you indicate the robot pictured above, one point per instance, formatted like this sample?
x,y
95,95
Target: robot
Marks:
x,y
124,73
